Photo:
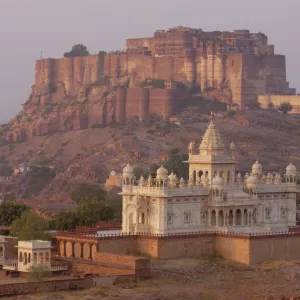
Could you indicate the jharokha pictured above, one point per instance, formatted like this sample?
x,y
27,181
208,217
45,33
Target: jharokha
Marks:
x,y
81,92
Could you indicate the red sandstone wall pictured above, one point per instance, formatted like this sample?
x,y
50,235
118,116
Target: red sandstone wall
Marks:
x,y
233,248
272,248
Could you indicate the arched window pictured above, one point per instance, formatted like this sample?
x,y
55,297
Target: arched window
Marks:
x,y
245,217
29,258
213,218
25,258
221,218
1,251
142,218
34,258
194,176
47,258
238,217
200,173
41,258
230,218
20,257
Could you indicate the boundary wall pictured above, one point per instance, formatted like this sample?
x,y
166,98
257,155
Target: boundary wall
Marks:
x,y
250,249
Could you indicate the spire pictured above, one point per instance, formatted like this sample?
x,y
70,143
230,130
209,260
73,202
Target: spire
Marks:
x,y
212,139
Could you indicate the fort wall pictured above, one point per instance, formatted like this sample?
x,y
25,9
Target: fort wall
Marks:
x,y
276,100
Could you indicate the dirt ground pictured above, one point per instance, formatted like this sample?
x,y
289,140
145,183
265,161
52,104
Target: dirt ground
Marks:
x,y
198,279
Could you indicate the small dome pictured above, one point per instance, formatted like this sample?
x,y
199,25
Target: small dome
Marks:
x,y
173,177
162,173
128,170
257,168
291,170
251,181
191,145
113,173
217,182
232,146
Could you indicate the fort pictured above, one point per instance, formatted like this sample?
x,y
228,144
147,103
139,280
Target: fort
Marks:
x,y
73,93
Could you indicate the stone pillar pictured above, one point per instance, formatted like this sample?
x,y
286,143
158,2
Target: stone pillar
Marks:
x,y
81,250
90,254
233,221
73,252
58,247
64,243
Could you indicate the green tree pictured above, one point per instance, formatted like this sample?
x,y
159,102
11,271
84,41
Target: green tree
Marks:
x,y
175,163
10,211
88,191
64,220
30,226
39,273
90,211
285,107
77,50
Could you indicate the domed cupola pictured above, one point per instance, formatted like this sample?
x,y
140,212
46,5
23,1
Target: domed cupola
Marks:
x,y
256,168
217,183
128,171
232,146
173,179
162,173
291,170
251,182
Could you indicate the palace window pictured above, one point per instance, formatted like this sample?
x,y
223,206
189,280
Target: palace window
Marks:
x,y
170,218
186,217
203,216
283,212
268,213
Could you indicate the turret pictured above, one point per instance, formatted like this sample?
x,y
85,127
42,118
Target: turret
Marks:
x,y
128,175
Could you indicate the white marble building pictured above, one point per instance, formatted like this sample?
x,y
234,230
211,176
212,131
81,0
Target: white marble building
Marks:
x,y
31,254
215,198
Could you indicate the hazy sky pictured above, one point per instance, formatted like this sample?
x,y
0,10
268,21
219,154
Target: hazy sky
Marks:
x,y
29,26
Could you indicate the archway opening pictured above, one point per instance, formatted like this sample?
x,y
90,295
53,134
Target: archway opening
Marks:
x,y
238,217
230,218
221,218
245,217
213,218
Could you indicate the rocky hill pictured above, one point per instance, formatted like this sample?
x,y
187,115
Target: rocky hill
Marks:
x,y
90,154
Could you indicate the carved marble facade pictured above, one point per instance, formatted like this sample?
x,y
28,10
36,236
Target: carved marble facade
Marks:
x,y
214,198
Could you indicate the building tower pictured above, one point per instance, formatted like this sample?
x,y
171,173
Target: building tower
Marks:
x,y
213,158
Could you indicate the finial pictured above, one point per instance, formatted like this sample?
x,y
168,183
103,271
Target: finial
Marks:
x,y
212,116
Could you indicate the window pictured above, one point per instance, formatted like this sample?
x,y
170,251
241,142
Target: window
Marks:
x,y
170,218
186,217
268,213
283,212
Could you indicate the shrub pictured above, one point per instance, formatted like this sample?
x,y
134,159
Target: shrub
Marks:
x,y
77,50
285,107
39,273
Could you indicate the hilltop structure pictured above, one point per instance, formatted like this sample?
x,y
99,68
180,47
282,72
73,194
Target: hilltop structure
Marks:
x,y
75,93
214,198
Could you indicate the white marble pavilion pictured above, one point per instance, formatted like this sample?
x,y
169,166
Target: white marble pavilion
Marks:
x,y
215,198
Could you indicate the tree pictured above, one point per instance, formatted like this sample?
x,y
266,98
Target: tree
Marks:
x,y
30,226
39,273
90,211
64,220
77,50
88,191
10,211
285,107
175,163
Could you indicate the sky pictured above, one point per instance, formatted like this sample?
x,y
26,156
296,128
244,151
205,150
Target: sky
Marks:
x,y
28,27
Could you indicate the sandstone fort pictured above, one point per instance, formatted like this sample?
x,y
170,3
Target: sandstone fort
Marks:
x,y
74,93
